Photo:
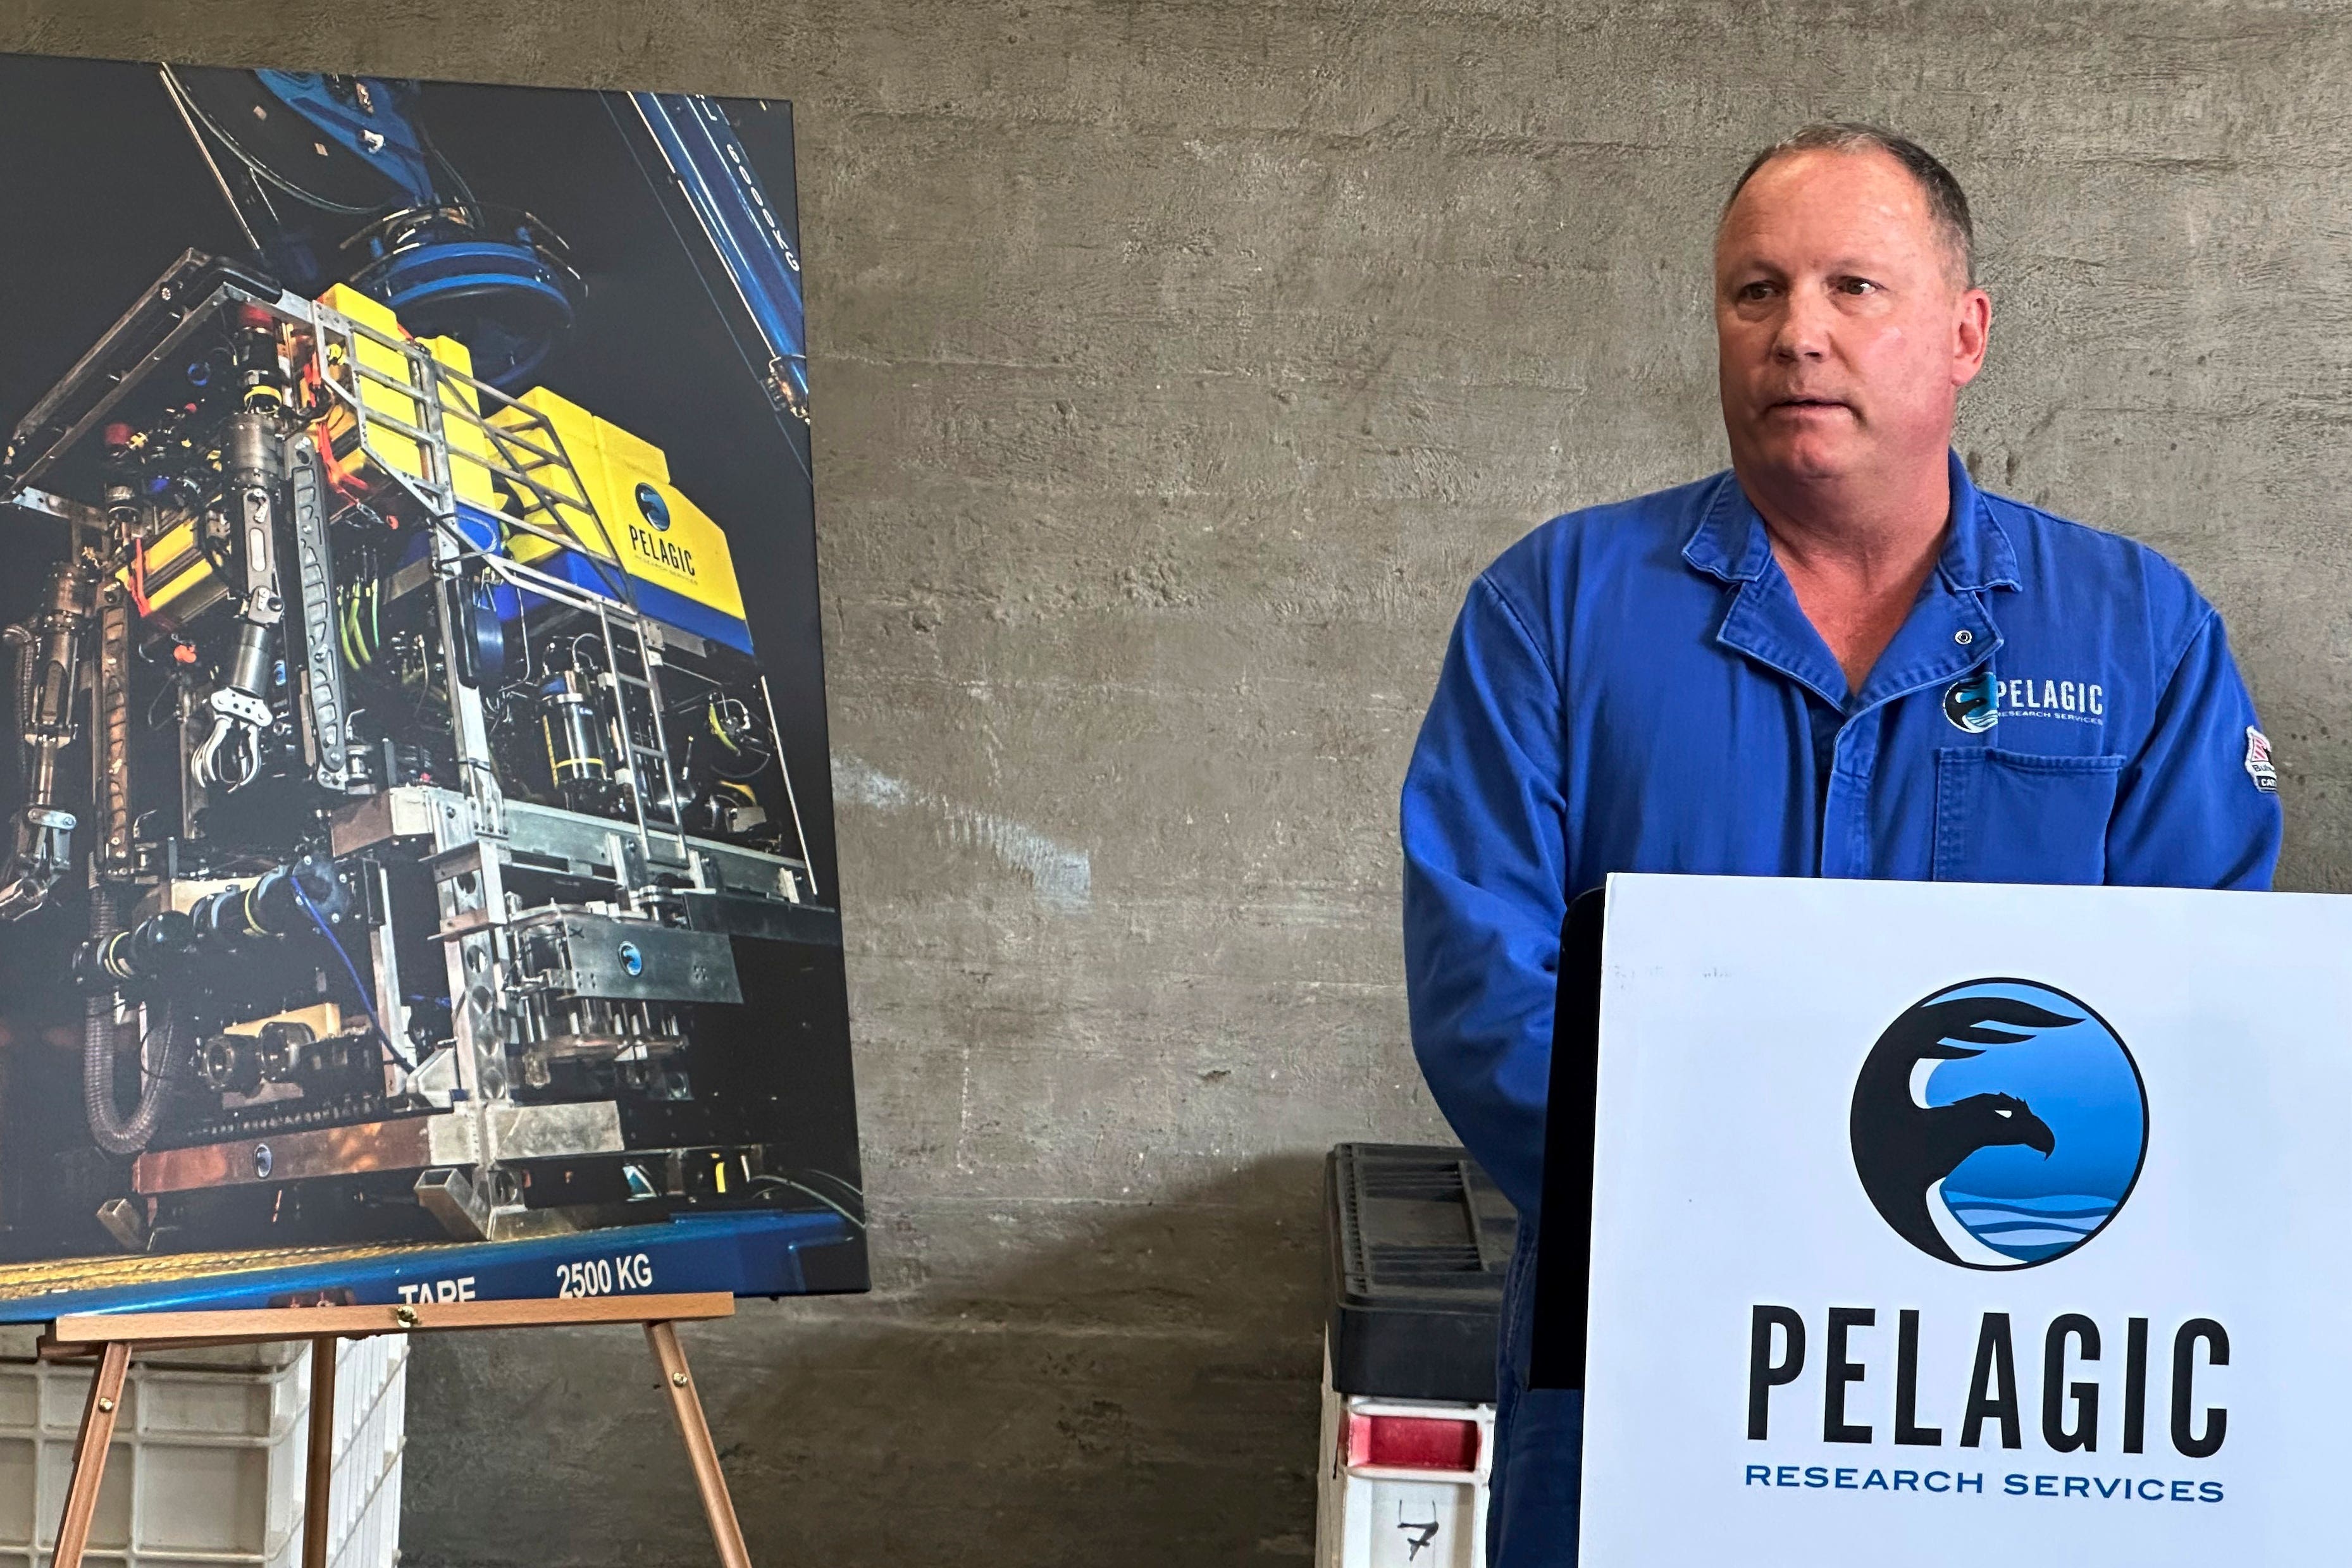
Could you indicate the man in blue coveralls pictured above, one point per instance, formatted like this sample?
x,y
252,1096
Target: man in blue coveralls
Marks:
x,y
1839,659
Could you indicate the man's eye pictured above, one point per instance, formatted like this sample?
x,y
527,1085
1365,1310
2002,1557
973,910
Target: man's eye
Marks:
x,y
1754,291
1857,286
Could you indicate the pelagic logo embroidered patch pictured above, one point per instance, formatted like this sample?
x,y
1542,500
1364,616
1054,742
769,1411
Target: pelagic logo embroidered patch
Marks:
x,y
1984,699
1974,705
2258,761
2077,702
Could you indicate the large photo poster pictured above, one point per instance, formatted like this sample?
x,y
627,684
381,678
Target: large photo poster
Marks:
x,y
418,827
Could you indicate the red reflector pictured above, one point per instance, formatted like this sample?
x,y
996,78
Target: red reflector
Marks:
x,y
1413,1443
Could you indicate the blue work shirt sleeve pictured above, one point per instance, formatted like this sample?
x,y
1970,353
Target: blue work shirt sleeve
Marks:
x,y
1484,823
2191,809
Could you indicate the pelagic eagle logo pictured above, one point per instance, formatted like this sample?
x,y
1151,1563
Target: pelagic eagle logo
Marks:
x,y
1999,1124
1976,702
1974,705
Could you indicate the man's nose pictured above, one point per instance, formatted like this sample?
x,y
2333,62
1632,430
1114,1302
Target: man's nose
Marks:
x,y
1804,328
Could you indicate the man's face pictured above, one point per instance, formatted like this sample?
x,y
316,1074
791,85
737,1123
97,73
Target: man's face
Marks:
x,y
1844,330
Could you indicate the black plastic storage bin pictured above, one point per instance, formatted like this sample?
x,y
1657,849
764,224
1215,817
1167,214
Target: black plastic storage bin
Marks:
x,y
1420,1237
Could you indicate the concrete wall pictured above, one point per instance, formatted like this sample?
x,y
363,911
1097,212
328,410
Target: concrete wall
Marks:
x,y
1176,366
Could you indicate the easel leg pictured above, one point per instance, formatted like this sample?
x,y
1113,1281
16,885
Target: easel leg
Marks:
x,y
89,1453
320,1479
726,1533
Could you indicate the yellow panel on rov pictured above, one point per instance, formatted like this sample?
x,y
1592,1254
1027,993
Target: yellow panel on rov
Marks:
x,y
623,509
468,444
173,578
677,556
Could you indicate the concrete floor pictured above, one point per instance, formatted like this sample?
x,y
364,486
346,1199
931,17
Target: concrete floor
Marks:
x,y
1176,367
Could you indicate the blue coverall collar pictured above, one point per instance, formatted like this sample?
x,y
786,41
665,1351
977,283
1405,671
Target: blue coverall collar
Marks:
x,y
1731,543
1950,630
1977,553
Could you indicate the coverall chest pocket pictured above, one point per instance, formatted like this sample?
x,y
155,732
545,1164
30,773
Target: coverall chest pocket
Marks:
x,y
2014,816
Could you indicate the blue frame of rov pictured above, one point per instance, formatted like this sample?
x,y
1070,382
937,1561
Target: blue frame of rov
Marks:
x,y
743,1254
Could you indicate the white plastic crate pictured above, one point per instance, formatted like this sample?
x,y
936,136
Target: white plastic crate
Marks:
x,y
371,1434
1430,1513
207,1466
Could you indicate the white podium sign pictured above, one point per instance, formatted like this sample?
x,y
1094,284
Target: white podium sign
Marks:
x,y
1988,1227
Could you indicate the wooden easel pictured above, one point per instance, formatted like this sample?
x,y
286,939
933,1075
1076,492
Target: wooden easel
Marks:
x,y
112,1337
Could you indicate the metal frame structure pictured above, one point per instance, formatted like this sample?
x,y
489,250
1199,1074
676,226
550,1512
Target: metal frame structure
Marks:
x,y
465,1126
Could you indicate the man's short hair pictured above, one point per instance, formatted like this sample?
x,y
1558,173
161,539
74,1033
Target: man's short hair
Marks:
x,y
1948,205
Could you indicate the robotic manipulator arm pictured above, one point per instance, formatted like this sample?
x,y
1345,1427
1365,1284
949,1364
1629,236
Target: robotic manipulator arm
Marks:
x,y
245,530
49,679
49,649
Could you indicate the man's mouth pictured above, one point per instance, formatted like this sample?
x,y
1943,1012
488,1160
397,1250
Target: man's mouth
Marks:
x,y
1808,402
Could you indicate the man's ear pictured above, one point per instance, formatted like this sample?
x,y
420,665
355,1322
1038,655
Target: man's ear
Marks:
x,y
1971,333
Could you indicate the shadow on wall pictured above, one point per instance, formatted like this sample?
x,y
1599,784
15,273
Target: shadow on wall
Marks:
x,y
1080,1384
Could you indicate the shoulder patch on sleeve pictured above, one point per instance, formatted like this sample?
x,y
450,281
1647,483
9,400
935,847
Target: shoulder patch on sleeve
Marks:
x,y
2258,761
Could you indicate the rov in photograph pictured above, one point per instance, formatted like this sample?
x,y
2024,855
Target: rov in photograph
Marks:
x,y
434,835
